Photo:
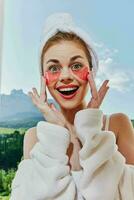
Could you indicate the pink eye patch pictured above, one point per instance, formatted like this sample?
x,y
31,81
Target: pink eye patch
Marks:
x,y
50,77
81,73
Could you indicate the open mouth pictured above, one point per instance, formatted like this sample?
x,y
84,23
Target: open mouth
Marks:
x,y
68,91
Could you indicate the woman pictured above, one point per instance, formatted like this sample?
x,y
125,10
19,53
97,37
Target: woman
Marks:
x,y
71,156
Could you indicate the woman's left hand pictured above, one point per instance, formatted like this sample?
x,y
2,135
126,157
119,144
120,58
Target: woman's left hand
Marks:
x,y
97,96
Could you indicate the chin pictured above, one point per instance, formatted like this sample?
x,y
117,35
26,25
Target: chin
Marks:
x,y
70,105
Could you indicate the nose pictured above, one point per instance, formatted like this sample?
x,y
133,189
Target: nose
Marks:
x,y
65,75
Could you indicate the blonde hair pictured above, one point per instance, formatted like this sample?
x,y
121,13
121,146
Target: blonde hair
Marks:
x,y
66,36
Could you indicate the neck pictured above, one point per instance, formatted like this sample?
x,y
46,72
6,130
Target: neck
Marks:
x,y
69,114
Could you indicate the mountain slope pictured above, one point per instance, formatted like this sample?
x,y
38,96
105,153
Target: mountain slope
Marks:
x,y
17,110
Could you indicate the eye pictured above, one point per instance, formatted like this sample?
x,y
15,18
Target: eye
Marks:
x,y
54,68
76,66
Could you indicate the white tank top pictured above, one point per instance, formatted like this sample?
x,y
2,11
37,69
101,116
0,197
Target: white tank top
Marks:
x,y
76,174
107,122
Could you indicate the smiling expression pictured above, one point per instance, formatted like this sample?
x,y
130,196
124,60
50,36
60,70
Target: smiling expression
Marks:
x,y
66,67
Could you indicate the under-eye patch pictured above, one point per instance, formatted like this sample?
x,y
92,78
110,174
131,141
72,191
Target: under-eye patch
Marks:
x,y
50,77
81,73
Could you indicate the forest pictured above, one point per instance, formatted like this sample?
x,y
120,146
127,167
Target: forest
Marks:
x,y
11,152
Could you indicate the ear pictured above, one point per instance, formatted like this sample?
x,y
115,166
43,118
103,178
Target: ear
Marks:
x,y
46,77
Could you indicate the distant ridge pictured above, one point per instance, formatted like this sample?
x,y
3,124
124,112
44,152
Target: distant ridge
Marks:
x,y
17,110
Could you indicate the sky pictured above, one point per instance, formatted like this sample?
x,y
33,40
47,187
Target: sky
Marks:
x,y
110,25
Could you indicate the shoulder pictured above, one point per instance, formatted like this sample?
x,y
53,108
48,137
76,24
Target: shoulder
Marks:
x,y
30,140
121,123
120,120
119,116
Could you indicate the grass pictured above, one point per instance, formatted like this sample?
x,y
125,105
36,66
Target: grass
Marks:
x,y
21,130
4,198
11,130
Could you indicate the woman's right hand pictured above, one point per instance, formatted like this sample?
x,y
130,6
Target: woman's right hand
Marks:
x,y
50,113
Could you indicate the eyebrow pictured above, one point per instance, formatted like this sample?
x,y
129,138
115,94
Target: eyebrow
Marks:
x,y
71,59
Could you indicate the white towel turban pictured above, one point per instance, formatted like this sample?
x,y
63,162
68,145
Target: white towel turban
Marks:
x,y
64,22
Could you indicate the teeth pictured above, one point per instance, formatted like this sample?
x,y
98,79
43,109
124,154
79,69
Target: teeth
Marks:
x,y
67,89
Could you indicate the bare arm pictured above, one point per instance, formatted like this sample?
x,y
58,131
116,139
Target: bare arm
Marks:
x,y
122,127
125,138
30,139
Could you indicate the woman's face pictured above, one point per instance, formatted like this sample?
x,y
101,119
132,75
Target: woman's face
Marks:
x,y
66,68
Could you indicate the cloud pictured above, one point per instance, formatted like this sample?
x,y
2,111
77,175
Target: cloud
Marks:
x,y
119,79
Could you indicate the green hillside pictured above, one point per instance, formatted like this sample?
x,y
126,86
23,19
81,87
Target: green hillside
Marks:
x,y
22,130
11,130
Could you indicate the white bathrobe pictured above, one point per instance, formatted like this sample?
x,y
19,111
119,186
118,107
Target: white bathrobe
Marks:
x,y
46,175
